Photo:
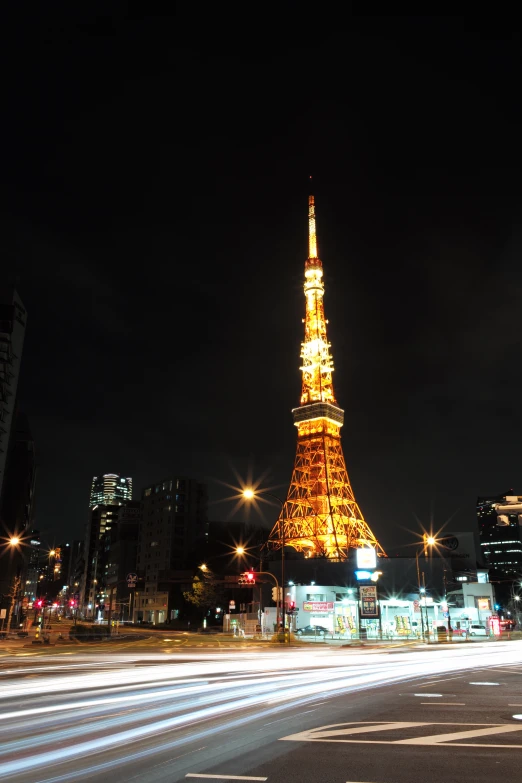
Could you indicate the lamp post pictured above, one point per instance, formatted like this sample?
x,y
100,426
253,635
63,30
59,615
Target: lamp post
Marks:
x,y
426,542
249,494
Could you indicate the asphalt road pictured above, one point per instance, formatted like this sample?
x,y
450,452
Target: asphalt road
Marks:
x,y
156,713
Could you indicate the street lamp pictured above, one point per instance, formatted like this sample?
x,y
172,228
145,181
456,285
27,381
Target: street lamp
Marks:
x,y
14,541
426,542
250,494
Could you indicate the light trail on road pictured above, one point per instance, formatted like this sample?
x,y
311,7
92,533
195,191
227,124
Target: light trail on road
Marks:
x,y
72,724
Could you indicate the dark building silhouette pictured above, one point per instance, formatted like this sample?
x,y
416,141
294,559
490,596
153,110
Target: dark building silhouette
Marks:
x,y
99,523
17,509
13,318
121,548
172,539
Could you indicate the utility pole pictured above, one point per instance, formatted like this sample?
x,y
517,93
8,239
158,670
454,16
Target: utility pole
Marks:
x,y
450,629
420,593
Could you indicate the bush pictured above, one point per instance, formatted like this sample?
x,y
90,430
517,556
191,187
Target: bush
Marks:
x,y
89,632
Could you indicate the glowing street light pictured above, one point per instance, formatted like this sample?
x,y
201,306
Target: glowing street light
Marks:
x,y
250,494
203,567
240,550
14,541
427,541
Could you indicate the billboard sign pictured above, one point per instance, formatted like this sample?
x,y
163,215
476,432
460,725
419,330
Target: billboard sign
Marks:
x,y
366,558
369,601
318,606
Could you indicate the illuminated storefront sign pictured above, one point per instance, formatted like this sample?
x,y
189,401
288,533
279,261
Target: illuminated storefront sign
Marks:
x,y
369,602
366,558
318,606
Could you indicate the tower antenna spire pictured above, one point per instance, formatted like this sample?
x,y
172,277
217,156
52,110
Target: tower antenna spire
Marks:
x,y
312,232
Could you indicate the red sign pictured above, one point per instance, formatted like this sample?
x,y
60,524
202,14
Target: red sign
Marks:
x,y
318,606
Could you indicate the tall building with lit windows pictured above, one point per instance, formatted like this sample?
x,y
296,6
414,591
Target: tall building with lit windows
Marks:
x,y
501,547
110,489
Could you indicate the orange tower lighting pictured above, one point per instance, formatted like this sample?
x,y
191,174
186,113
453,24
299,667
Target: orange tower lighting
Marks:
x,y
320,516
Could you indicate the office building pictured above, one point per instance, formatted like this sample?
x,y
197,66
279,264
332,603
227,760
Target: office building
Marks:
x,y
16,507
501,547
121,548
32,572
100,521
110,489
13,318
172,538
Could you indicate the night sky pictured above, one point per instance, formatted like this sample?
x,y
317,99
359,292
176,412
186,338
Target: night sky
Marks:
x,y
155,219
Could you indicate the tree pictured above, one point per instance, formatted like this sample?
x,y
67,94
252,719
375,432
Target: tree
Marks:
x,y
205,593
13,595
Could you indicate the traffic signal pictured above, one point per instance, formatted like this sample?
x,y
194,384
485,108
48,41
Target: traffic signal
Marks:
x,y
275,594
291,606
72,602
39,603
250,578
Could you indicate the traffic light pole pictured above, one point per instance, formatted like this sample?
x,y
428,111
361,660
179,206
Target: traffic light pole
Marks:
x,y
279,593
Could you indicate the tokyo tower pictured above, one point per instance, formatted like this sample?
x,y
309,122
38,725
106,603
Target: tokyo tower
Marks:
x,y
320,516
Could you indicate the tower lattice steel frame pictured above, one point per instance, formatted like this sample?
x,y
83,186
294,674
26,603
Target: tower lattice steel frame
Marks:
x,y
320,515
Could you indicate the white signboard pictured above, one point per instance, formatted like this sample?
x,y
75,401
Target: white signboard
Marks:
x,y
366,558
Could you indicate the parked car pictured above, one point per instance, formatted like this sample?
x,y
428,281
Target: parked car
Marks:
x,y
312,630
477,630
459,631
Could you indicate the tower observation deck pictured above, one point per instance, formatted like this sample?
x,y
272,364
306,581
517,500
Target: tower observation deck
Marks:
x,y
320,516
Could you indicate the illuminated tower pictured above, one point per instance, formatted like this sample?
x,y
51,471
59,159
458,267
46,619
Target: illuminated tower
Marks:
x,y
320,516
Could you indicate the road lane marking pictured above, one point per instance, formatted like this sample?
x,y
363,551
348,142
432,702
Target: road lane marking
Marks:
x,y
436,739
444,703
223,777
436,682
484,683
429,695
338,732
325,732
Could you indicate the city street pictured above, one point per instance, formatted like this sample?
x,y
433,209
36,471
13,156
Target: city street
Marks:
x,y
153,712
